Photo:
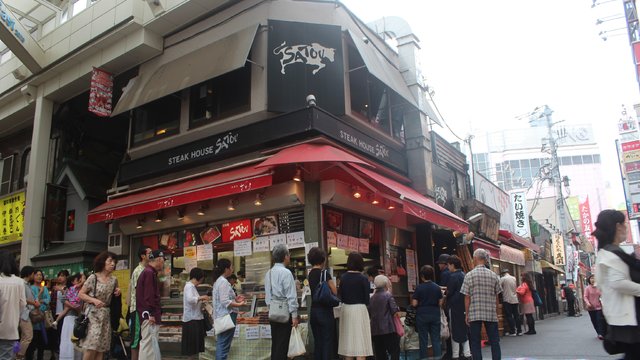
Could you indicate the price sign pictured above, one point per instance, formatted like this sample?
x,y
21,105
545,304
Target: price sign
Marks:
x,y
261,244
295,240
265,331
252,332
242,247
353,243
332,239
277,239
343,241
363,246
205,252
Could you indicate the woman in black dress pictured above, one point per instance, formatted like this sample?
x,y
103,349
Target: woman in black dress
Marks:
x,y
455,307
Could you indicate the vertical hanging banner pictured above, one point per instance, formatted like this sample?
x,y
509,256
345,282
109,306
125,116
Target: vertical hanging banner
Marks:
x,y
101,92
520,214
558,250
585,220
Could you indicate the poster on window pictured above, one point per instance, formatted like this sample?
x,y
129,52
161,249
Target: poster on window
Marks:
x,y
366,229
100,92
412,273
265,225
334,220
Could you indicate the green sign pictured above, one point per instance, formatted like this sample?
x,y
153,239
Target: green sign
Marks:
x,y
51,272
573,202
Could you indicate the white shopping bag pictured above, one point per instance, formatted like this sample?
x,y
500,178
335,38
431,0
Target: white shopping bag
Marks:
x,y
296,345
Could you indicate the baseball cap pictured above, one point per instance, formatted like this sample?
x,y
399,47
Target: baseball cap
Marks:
x,y
442,259
156,254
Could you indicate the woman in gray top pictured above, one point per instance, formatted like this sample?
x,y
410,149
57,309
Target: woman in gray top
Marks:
x,y
382,309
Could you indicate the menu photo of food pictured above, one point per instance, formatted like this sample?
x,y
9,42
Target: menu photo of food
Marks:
x,y
210,234
265,225
190,239
169,241
334,221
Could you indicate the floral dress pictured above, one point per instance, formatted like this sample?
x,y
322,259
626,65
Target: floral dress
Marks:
x,y
99,331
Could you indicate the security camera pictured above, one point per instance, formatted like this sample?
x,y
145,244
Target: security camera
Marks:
x,y
311,100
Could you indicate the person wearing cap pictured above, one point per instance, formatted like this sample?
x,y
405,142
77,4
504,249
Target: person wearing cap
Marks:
x,y
148,306
444,270
510,303
134,318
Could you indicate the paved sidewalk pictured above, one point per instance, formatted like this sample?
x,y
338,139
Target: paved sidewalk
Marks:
x,y
559,338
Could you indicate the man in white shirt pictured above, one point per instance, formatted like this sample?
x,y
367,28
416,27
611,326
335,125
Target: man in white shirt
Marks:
x,y
134,318
12,302
510,303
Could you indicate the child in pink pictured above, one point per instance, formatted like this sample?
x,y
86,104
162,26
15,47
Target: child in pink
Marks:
x,y
594,306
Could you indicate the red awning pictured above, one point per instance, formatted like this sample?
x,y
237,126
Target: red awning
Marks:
x,y
493,249
182,193
417,204
311,153
519,240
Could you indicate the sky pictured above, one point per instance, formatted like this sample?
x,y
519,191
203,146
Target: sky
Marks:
x,y
492,61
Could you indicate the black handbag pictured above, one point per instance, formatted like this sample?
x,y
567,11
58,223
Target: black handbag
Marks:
x,y
206,319
81,324
323,295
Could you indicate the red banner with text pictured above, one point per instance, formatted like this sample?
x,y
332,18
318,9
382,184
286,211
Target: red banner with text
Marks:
x,y
101,92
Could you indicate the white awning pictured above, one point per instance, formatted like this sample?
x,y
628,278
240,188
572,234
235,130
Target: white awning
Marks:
x,y
157,79
511,255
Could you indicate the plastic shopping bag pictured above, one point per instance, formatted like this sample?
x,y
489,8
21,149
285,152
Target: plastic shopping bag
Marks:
x,y
296,345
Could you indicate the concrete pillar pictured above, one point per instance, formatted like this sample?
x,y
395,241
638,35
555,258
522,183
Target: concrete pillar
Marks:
x,y
37,179
312,213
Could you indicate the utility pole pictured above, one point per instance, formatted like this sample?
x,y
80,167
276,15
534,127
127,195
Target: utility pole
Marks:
x,y
559,197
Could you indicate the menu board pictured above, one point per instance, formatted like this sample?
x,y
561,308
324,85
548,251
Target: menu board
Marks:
x,y
242,247
252,332
261,244
204,252
295,240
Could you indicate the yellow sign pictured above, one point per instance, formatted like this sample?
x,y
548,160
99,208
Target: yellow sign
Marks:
x,y
123,277
12,217
631,156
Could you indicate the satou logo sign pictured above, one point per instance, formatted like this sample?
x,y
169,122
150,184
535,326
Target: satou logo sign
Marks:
x,y
313,55
236,230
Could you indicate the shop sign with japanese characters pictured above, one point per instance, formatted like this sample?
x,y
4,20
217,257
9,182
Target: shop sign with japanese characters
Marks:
x,y
12,217
520,214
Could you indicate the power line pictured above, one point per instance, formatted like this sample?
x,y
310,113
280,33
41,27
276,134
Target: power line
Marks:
x,y
443,121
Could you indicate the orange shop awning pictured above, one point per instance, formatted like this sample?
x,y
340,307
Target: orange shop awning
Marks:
x,y
417,204
189,191
305,153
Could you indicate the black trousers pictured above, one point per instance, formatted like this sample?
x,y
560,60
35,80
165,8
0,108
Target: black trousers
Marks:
x,y
531,323
280,334
36,346
513,317
571,307
386,346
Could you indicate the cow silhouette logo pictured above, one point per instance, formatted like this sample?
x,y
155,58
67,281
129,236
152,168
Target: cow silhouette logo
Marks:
x,y
313,55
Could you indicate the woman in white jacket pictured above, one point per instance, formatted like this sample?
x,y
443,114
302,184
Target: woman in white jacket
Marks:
x,y
619,292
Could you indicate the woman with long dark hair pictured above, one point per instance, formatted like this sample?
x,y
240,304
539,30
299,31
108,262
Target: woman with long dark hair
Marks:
x,y
225,302
41,294
617,273
527,307
193,330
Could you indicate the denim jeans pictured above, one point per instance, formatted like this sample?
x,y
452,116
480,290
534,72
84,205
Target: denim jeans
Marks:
x,y
323,326
494,339
429,326
596,320
6,349
223,344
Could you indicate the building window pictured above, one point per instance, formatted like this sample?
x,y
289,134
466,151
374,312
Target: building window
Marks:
x,y
587,159
156,120
220,97
576,160
596,158
6,172
374,102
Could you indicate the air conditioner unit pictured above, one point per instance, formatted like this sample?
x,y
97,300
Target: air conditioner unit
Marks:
x,y
116,245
